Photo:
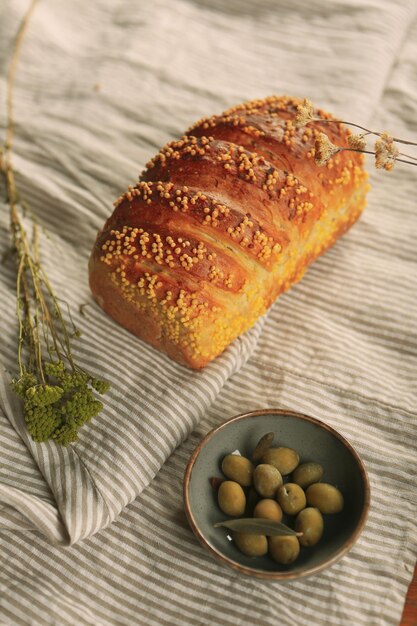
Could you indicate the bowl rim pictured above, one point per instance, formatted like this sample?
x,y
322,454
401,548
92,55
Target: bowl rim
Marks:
x,y
284,575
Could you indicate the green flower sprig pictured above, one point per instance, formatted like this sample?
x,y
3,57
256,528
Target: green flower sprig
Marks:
x,y
58,395
56,409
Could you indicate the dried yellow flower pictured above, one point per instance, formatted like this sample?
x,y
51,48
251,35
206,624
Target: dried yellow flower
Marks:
x,y
324,149
305,113
357,142
386,152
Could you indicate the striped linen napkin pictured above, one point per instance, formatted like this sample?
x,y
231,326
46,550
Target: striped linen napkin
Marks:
x,y
100,87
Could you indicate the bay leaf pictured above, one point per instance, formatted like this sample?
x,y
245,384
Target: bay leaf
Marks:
x,y
257,526
262,446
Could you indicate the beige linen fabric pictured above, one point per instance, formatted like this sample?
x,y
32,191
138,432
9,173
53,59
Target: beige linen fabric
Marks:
x,y
100,87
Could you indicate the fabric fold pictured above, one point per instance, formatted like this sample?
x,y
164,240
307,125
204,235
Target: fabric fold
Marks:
x,y
87,497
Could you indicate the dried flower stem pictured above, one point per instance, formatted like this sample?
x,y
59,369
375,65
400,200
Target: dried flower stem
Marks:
x,y
373,154
385,150
367,130
57,393
377,134
372,132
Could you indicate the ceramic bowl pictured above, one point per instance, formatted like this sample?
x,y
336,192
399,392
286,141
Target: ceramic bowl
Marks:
x,y
314,441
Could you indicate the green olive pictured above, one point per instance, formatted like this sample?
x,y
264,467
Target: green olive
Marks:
x,y
291,498
309,522
325,497
284,459
231,498
307,473
238,468
266,479
284,549
268,509
251,545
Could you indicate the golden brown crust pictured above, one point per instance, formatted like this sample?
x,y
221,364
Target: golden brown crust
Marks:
x,y
267,127
222,221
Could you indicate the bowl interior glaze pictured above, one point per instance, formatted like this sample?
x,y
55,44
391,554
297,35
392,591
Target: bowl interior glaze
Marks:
x,y
314,441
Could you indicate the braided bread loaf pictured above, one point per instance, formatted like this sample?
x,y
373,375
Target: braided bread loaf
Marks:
x,y
222,222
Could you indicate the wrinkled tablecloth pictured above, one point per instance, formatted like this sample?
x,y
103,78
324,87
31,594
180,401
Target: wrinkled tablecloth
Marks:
x,y
95,533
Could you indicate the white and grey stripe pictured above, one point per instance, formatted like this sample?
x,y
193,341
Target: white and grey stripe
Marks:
x,y
340,346
150,569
